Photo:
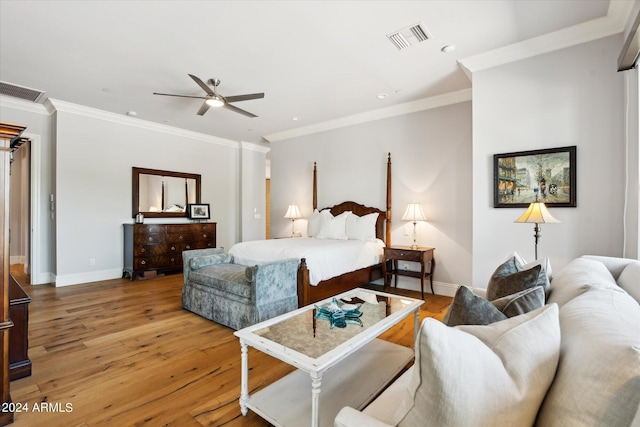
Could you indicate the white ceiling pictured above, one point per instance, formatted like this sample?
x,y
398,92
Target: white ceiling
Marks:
x,y
316,60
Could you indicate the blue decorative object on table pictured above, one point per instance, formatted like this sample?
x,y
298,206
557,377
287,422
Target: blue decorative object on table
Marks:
x,y
339,313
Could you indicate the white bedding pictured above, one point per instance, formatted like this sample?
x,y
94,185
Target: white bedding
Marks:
x,y
326,258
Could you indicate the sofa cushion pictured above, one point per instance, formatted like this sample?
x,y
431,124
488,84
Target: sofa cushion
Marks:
x,y
198,262
483,375
468,308
577,277
598,377
629,279
520,302
501,285
230,278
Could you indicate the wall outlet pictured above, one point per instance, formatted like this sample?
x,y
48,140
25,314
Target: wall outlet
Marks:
x,y
92,261
405,266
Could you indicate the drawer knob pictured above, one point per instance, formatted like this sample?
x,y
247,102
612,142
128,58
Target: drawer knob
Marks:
x,y
143,250
143,262
181,237
173,248
150,239
188,247
204,235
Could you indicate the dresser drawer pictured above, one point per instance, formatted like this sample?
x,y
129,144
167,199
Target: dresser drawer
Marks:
x,y
200,244
149,228
149,239
149,250
180,237
150,262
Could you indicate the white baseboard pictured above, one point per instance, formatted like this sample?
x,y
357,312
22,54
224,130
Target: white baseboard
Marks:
x,y
17,259
87,277
439,288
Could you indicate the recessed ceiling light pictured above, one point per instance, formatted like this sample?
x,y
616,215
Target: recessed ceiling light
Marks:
x,y
448,48
295,119
382,96
132,113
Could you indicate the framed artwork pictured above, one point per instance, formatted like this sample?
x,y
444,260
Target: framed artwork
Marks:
x,y
198,211
547,176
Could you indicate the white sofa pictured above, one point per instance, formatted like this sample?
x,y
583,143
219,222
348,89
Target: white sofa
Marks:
x,y
588,374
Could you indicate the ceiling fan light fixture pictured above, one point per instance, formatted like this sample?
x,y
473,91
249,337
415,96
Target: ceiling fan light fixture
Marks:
x,y
215,102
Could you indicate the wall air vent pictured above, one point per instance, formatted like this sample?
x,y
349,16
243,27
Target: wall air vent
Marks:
x,y
21,92
409,36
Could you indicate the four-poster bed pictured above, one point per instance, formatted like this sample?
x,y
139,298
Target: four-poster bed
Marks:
x,y
315,283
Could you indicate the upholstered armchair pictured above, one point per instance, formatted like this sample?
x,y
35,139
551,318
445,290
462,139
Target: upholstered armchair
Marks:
x,y
237,295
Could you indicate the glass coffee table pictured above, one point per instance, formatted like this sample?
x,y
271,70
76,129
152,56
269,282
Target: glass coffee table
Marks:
x,y
358,366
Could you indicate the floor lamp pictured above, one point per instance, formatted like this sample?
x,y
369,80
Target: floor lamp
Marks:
x,y
537,213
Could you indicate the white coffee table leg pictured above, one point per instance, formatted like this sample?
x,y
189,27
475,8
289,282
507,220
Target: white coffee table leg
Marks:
x,y
316,380
416,324
244,380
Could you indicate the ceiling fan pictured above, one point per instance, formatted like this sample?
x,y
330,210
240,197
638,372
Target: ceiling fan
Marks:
x,y
213,99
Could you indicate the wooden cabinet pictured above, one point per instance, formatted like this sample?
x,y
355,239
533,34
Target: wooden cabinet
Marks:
x,y
9,140
19,363
156,248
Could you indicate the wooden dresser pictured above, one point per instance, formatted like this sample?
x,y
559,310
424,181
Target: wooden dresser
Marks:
x,y
155,248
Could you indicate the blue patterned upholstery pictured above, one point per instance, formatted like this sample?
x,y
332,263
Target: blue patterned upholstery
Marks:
x,y
237,295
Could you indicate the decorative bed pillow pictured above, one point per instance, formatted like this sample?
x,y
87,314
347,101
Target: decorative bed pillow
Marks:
x,y
315,223
199,262
501,285
334,227
494,375
362,227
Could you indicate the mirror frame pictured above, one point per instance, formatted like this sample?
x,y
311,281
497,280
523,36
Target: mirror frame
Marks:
x,y
135,191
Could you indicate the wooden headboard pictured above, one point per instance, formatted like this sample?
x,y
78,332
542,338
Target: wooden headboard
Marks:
x,y
383,224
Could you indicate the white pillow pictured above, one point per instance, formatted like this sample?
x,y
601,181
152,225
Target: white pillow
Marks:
x,y
315,223
362,227
334,227
493,375
629,279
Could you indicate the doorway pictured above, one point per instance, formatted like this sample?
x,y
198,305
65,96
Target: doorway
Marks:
x,y
20,210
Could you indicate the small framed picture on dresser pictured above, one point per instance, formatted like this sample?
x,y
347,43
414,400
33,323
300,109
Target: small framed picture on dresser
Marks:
x,y
198,211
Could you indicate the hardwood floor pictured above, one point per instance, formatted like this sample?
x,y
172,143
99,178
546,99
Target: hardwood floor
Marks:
x,y
122,353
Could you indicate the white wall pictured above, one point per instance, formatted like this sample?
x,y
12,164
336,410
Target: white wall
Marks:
x,y
95,154
253,191
569,97
431,163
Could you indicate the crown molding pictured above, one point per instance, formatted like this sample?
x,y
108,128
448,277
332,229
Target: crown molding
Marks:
x,y
378,114
68,107
614,23
253,146
22,105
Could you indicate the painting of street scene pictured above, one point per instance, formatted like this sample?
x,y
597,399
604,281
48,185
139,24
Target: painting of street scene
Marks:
x,y
547,176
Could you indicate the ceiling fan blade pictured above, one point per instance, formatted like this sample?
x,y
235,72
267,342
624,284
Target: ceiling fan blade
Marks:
x,y
181,96
246,97
202,84
238,110
203,109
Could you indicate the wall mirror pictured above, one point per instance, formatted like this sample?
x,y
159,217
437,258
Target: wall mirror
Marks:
x,y
163,194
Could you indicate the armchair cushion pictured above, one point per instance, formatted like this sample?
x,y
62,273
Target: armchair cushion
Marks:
x,y
493,375
202,261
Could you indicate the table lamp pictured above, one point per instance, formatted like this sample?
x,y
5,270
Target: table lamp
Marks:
x,y
293,213
414,213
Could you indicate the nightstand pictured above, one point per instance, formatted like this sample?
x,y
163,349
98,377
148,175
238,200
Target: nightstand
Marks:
x,y
420,255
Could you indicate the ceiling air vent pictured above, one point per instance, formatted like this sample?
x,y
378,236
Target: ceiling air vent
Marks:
x,y
409,36
25,93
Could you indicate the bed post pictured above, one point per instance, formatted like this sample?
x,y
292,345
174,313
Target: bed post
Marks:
x,y
388,224
303,284
315,187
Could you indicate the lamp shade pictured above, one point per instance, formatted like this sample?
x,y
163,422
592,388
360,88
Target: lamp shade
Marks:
x,y
293,212
414,212
537,213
